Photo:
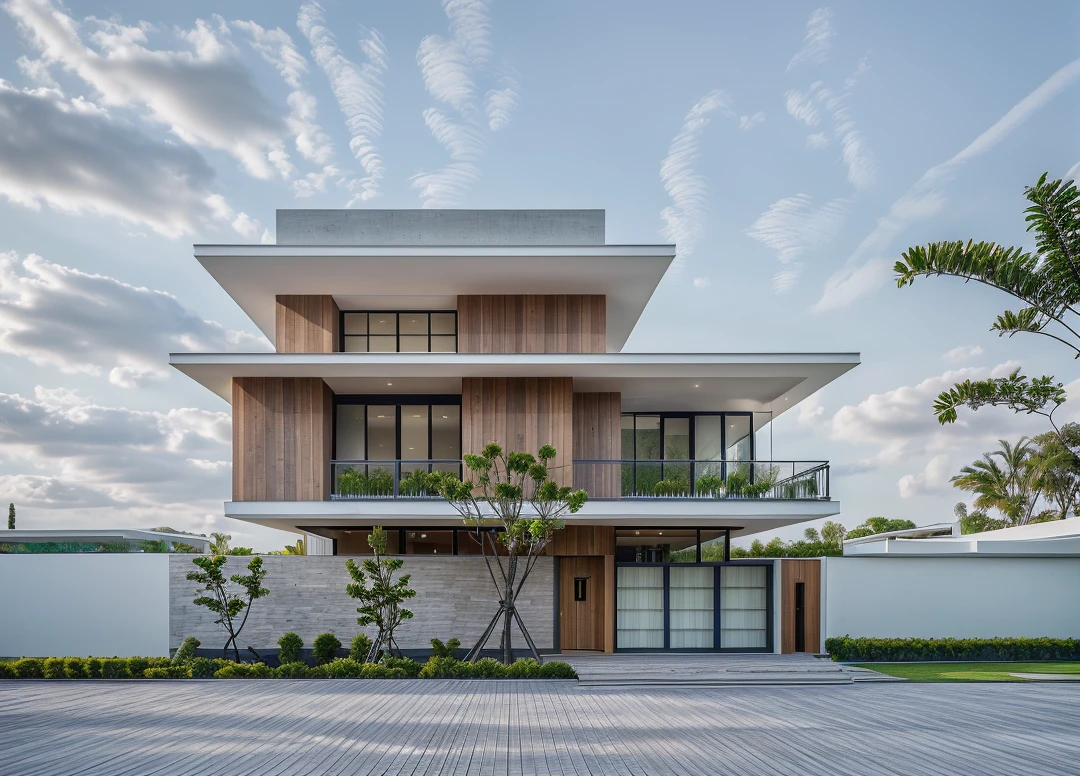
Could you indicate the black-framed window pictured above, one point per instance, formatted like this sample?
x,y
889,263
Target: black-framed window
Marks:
x,y
681,436
399,331
397,428
410,540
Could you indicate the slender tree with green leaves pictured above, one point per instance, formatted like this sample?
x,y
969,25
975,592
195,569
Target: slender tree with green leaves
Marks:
x,y
1046,282
516,493
11,517
1058,468
380,595
219,598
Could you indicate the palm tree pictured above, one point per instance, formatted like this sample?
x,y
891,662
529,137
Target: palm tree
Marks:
x,y
220,544
1046,281
1013,487
300,548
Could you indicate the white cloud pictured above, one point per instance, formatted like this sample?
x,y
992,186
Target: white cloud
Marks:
x,y
791,227
451,68
78,322
747,123
852,282
811,412
926,197
204,95
801,108
358,90
933,478
818,39
57,152
855,151
962,353
817,141
686,187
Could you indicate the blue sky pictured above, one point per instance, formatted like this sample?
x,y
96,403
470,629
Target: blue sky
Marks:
x,y
792,151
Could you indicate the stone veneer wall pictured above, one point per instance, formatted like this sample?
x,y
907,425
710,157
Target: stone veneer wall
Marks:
x,y
455,598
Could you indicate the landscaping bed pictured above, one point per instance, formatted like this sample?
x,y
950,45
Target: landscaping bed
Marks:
x,y
866,650
971,672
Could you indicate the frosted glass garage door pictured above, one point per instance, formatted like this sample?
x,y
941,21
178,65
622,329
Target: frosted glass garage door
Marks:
x,y
743,607
640,595
690,599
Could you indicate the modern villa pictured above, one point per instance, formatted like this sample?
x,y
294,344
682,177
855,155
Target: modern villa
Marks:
x,y
407,338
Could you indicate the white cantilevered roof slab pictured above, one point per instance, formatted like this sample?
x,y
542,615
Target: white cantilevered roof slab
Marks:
x,y
648,382
392,277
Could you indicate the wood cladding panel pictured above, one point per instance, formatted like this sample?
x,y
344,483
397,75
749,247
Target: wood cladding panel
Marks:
x,y
521,414
583,540
307,324
598,437
532,323
808,572
582,623
282,431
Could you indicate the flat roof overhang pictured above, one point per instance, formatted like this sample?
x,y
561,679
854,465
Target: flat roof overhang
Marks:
x,y
95,535
743,516
648,382
432,277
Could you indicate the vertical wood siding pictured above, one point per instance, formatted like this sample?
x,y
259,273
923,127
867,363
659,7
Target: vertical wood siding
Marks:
x,y
583,540
307,324
582,623
531,323
282,429
809,573
598,436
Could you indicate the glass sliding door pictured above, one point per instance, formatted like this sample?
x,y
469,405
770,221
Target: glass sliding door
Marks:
x,y
382,432
640,610
691,607
744,607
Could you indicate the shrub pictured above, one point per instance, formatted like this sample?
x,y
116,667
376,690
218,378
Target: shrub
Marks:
x,y
524,668
487,668
442,668
290,645
244,671
114,668
29,668
137,666
294,670
176,671
93,667
186,651
344,668
409,668
848,649
449,649
557,670
361,646
205,668
324,647
75,668
53,668
377,671
7,670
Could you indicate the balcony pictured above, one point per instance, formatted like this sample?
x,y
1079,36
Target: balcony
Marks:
x,y
639,480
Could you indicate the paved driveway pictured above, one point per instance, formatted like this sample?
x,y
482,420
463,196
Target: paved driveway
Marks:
x,y
449,727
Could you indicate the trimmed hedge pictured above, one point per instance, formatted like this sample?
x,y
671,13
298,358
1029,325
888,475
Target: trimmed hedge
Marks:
x,y
870,650
217,668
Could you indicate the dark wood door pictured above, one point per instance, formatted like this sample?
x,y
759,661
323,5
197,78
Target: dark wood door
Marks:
x,y
581,603
800,608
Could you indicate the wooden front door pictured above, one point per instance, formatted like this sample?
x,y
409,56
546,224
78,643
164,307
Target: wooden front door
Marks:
x,y
800,604
581,603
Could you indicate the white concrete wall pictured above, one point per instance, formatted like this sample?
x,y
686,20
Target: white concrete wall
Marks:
x,y
973,597
92,604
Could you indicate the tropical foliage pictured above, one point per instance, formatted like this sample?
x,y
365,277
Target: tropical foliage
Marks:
x,y
219,598
380,595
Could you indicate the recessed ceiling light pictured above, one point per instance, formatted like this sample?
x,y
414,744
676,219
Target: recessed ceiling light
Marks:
x,y
412,448
697,386
661,533
380,416
637,533
389,383
446,416
423,536
416,416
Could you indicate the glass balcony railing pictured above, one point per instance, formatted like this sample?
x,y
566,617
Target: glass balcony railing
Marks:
x,y
679,479
704,479
386,479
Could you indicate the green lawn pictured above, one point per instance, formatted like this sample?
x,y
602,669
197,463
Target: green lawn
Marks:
x,y
970,672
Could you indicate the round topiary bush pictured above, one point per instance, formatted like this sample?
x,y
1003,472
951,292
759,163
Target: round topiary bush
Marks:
x,y
290,645
324,648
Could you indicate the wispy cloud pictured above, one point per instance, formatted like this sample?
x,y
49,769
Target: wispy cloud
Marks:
x,y
358,91
686,187
793,226
451,68
817,41
801,107
926,198
746,123
962,353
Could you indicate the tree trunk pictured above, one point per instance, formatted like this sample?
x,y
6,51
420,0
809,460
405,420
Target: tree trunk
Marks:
x,y
511,573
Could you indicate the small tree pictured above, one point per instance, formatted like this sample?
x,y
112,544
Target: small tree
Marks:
x,y
221,601
381,603
497,496
11,517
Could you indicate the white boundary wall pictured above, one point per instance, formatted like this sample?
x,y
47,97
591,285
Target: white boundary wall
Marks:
x,y
84,604
960,597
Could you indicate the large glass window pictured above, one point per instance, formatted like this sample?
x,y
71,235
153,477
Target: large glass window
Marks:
x,y
399,332
410,429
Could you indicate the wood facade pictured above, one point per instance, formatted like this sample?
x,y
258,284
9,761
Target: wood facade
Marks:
x,y
521,414
583,540
282,432
582,622
307,324
598,437
808,574
532,323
